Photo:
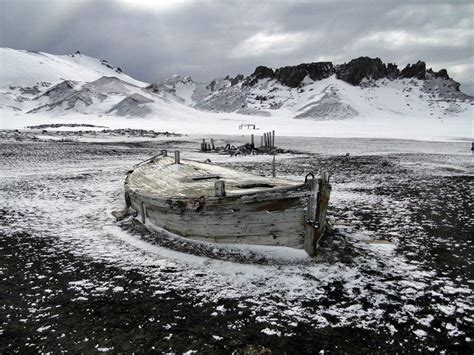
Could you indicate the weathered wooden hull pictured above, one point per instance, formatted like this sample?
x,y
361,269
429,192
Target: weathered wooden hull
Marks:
x,y
280,216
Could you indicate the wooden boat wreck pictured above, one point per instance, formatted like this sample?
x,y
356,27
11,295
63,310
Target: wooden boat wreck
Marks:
x,y
204,201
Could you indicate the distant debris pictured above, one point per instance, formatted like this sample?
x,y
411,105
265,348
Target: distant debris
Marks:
x,y
267,147
247,125
57,125
71,135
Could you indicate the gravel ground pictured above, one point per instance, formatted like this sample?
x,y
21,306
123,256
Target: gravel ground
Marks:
x,y
72,279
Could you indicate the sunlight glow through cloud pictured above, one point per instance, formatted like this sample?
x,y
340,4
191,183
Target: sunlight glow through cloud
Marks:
x,y
263,43
155,5
399,39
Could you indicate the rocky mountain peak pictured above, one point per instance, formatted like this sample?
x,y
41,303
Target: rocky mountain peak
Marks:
x,y
353,72
417,70
293,76
361,68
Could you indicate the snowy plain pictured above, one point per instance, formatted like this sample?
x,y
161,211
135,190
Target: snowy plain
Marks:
x,y
201,123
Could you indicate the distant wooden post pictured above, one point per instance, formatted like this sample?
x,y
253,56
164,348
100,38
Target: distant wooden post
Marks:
x,y
212,144
176,157
264,139
273,166
203,145
273,139
261,141
219,188
252,143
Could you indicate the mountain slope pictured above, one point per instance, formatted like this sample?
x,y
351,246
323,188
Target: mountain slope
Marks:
x,y
41,83
25,68
324,91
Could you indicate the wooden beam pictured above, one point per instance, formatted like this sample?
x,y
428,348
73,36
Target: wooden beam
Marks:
x,y
219,188
273,166
322,208
176,157
309,240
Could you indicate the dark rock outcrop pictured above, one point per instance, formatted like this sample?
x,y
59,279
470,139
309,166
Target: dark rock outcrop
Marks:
x,y
292,76
442,74
417,70
236,80
353,72
211,86
261,72
392,71
361,68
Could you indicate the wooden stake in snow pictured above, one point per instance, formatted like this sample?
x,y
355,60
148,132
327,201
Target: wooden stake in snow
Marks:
x,y
176,157
273,139
213,146
252,143
219,188
273,166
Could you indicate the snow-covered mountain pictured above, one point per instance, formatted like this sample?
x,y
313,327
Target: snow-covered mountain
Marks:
x,y
323,91
315,98
35,82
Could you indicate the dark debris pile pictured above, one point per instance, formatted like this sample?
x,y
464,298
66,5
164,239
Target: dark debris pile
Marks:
x,y
249,149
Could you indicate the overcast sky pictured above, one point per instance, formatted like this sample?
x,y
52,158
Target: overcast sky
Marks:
x,y
151,40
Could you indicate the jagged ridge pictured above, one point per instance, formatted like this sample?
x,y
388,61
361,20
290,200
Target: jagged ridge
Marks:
x,y
353,72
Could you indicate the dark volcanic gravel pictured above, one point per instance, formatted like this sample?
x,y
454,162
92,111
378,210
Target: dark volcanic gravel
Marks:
x,y
74,280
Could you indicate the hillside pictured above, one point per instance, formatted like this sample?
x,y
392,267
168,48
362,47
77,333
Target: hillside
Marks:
x,y
323,91
364,97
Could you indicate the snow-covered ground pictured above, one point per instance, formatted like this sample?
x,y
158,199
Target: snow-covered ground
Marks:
x,y
28,68
413,291
199,122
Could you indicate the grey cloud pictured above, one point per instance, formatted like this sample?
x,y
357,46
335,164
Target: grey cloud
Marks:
x,y
201,38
